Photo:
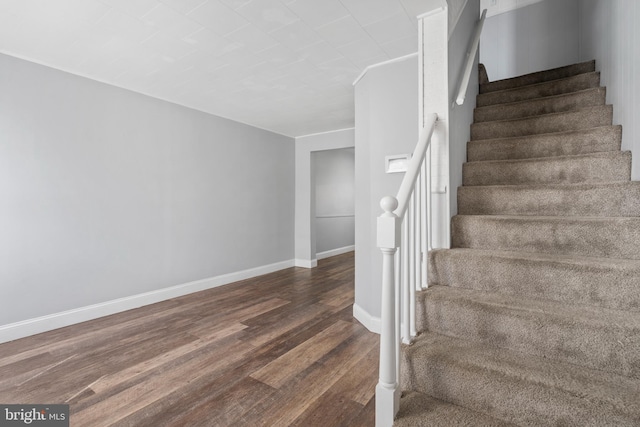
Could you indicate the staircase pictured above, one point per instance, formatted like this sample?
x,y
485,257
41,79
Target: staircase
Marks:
x,y
533,317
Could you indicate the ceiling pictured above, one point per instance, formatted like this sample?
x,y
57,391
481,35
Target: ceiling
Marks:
x,y
282,65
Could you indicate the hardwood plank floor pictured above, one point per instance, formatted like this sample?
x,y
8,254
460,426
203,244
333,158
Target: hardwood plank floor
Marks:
x,y
278,350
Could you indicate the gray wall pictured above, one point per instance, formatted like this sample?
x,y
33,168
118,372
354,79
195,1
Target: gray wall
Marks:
x,y
386,102
609,34
335,198
105,193
559,32
536,37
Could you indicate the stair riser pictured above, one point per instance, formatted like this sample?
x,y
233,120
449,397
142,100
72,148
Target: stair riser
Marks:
x,y
609,200
583,280
557,87
526,403
534,107
418,409
594,140
539,77
595,168
559,122
612,348
597,237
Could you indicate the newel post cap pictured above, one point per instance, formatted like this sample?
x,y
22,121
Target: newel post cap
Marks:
x,y
388,205
388,235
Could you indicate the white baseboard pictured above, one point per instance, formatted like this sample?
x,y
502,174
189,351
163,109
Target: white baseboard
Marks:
x,y
334,252
369,322
305,263
37,325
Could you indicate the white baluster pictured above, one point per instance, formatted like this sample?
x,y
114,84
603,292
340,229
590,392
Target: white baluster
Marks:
x,y
418,232
387,391
398,289
412,265
398,299
405,285
428,215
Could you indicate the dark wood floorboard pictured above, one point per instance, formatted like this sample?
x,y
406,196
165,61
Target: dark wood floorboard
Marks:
x,y
281,349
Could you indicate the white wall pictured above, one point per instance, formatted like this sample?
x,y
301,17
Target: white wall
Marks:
x,y
609,34
386,102
335,199
437,82
536,37
105,193
305,188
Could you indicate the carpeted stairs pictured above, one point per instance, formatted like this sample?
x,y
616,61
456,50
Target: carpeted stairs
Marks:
x,y
533,317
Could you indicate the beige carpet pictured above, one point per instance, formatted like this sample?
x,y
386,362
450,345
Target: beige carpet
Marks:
x,y
533,317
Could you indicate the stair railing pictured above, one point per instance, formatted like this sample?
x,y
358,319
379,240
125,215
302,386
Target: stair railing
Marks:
x,y
400,227
471,55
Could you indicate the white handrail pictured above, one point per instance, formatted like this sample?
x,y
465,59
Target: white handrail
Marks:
x,y
471,55
409,180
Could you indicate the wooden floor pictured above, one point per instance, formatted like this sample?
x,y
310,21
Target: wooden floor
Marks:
x,y
278,350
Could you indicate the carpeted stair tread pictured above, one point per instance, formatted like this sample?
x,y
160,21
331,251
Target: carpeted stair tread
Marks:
x,y
584,168
595,337
533,316
421,410
539,77
520,388
599,282
547,123
581,236
582,141
547,105
608,199
550,88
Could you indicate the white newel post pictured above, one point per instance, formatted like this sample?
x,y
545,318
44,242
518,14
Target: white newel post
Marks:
x,y
387,390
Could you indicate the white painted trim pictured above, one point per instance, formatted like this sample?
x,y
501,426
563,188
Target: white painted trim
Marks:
x,y
367,320
334,252
379,64
49,322
324,133
305,263
432,12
